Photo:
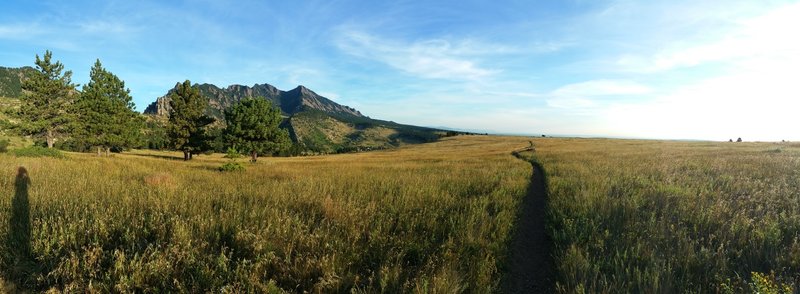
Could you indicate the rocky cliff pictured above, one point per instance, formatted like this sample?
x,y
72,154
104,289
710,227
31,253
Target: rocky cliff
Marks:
x,y
290,102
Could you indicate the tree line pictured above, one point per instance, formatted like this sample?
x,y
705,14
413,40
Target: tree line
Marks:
x,y
102,116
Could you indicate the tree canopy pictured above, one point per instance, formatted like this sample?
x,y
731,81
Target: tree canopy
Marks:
x,y
48,95
187,120
106,112
253,126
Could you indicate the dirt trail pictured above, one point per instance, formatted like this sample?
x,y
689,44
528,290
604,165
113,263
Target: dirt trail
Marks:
x,y
530,261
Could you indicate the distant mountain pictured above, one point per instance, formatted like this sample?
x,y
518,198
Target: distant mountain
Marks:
x,y
11,80
290,102
316,123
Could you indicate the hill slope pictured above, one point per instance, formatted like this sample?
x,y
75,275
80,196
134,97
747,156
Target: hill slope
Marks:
x,y
316,123
11,80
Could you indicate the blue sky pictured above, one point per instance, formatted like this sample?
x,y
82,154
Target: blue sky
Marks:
x,y
653,69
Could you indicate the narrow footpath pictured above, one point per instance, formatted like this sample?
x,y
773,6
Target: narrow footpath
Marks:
x,y
530,261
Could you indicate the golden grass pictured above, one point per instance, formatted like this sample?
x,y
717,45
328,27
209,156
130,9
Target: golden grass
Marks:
x,y
331,128
632,216
428,218
625,215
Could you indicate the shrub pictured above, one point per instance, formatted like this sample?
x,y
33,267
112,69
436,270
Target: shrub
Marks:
x,y
4,145
37,151
231,166
233,154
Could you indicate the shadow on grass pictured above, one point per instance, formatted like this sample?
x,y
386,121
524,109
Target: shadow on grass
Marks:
x,y
22,264
159,156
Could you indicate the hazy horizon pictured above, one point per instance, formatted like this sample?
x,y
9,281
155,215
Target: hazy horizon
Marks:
x,y
709,70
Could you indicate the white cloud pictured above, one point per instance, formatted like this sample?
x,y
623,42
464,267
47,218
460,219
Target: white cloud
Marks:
x,y
106,28
592,93
602,87
19,31
726,74
756,105
434,59
296,75
570,103
769,34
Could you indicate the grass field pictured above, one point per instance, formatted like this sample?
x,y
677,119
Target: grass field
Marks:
x,y
665,217
625,216
428,218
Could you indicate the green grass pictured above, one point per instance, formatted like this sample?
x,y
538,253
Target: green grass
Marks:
x,y
37,151
428,218
663,217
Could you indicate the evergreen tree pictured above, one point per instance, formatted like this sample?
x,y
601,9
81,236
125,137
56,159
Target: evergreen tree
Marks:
x,y
48,94
155,135
254,127
187,120
106,110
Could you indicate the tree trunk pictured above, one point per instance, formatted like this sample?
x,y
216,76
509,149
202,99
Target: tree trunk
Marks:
x,y
254,156
108,151
185,155
98,151
49,138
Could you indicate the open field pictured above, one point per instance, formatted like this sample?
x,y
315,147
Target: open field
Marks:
x,y
427,218
624,215
665,217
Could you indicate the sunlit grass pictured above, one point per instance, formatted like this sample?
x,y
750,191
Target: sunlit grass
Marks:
x,y
428,218
625,215
662,217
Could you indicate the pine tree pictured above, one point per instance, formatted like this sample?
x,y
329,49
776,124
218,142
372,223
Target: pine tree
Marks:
x,y
187,120
107,115
253,126
48,94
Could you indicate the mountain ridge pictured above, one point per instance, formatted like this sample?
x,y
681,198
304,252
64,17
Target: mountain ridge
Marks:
x,y
315,123
290,102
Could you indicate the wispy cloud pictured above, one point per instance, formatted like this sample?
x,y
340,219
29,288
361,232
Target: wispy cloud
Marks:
x,y
433,59
591,93
768,34
106,27
602,87
617,67
297,75
19,31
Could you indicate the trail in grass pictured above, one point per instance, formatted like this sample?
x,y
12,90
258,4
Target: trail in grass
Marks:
x,y
531,268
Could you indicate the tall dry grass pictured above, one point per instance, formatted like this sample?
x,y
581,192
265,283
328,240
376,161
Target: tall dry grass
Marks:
x,y
633,216
427,218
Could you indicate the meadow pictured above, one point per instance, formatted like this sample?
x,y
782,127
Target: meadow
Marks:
x,y
632,216
431,218
625,216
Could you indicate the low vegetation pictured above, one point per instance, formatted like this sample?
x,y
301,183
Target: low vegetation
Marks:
x,y
4,145
37,151
428,218
625,216
663,217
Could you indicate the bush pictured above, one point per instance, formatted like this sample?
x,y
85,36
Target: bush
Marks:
x,y
231,166
37,151
233,154
4,145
